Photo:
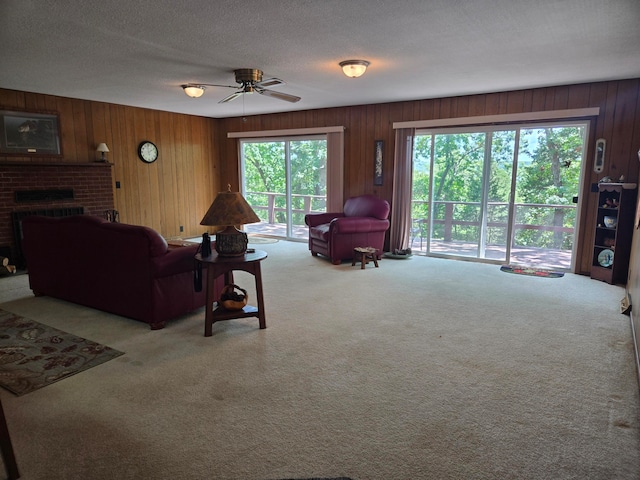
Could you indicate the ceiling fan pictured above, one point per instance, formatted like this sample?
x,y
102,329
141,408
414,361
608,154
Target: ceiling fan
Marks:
x,y
250,80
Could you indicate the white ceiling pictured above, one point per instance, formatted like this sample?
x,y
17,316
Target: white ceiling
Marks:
x,y
139,52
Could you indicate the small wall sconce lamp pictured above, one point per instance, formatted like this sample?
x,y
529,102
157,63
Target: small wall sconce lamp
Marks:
x,y
194,91
227,210
102,148
354,68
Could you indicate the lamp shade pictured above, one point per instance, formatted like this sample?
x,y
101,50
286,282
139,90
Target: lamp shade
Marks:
x,y
102,147
193,91
354,68
229,208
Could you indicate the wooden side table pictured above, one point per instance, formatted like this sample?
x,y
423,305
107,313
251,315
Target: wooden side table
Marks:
x,y
216,266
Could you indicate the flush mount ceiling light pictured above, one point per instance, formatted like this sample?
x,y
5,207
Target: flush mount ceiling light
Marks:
x,y
194,91
354,68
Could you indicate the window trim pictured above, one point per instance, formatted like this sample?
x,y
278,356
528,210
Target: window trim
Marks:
x,y
286,132
575,113
335,156
530,123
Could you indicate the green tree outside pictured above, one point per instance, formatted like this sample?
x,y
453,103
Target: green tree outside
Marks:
x,y
265,176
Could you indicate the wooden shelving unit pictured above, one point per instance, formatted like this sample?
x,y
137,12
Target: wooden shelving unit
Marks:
x,y
612,244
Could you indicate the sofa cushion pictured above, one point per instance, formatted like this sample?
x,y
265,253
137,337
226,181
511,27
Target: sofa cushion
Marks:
x,y
321,232
367,206
156,243
347,225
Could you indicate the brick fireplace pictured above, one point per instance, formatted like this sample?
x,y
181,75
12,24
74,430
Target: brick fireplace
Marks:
x,y
50,187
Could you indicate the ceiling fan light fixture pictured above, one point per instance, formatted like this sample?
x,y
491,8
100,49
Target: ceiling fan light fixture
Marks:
x,y
249,80
194,91
354,68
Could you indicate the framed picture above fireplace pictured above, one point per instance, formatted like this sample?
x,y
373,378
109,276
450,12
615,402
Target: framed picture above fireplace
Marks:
x,y
29,133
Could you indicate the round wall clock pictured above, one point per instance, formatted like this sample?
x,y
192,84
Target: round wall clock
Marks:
x,y
147,151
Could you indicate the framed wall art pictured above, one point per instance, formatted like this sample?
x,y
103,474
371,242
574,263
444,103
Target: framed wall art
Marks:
x,y
29,133
377,164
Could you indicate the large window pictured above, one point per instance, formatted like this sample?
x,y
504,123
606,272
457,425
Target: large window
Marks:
x,y
283,179
287,173
502,193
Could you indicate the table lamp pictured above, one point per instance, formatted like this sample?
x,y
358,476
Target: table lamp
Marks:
x,y
102,148
228,210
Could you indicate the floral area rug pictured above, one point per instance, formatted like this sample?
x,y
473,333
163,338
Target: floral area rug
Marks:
x,y
535,272
33,355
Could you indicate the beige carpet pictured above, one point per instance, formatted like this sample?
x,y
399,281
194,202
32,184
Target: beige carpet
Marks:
x,y
420,369
253,238
260,240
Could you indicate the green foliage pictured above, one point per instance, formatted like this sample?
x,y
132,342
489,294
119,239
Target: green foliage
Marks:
x,y
265,176
548,173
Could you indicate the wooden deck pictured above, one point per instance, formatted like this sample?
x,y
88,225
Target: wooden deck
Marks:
x,y
529,256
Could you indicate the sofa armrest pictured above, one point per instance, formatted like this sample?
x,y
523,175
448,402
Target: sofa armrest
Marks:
x,y
175,261
315,219
358,225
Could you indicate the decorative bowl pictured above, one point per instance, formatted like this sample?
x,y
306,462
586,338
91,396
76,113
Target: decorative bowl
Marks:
x,y
231,300
610,222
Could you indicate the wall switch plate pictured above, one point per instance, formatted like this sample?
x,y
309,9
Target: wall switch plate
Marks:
x,y
117,184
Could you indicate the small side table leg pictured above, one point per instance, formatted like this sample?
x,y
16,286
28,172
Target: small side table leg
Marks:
x,y
258,279
374,256
208,315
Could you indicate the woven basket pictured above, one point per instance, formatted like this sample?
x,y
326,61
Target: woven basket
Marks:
x,y
230,300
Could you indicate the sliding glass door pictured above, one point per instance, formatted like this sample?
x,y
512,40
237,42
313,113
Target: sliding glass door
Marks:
x,y
283,179
498,194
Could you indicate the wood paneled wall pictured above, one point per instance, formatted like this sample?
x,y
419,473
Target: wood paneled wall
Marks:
x,y
618,123
174,191
197,158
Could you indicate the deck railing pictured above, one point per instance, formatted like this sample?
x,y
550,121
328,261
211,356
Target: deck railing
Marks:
x,y
272,210
448,220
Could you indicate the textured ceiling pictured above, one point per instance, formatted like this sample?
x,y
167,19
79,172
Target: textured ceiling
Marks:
x,y
138,53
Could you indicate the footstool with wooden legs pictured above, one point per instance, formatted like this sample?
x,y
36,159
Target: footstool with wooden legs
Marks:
x,y
363,255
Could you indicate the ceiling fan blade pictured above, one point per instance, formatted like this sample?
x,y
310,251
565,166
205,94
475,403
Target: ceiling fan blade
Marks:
x,y
233,96
214,85
280,96
270,82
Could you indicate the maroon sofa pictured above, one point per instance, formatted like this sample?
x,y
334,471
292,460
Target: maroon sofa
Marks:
x,y
118,268
362,223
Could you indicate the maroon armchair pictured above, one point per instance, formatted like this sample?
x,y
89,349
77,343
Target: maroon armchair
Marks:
x,y
362,223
